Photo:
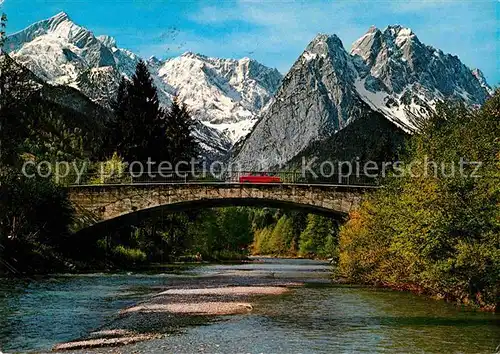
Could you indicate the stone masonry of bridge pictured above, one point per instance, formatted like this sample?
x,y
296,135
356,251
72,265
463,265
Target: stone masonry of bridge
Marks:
x,y
95,204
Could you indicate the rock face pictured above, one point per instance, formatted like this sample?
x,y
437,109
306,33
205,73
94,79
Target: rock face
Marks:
x,y
316,99
478,74
225,95
99,84
404,78
387,72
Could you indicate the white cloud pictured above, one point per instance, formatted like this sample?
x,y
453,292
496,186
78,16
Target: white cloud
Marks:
x,y
211,15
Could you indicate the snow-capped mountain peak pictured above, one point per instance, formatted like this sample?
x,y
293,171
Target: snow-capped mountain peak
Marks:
x,y
58,50
404,78
16,40
108,41
398,31
388,73
224,94
324,44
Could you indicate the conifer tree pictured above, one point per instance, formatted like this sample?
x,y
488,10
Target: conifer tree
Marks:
x,y
181,143
141,129
143,115
117,128
137,131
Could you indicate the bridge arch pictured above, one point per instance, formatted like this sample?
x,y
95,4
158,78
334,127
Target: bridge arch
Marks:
x,y
109,205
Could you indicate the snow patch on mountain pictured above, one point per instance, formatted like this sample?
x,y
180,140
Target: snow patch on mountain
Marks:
x,y
478,74
387,71
224,94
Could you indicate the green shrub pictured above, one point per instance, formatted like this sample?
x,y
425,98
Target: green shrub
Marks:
x,y
435,233
126,254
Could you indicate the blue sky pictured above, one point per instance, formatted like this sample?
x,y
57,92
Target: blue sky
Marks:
x,y
275,32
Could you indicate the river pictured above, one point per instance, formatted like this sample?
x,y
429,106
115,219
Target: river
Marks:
x,y
314,316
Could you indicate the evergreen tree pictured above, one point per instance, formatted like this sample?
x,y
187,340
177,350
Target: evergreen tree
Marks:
x,y
141,129
143,115
282,236
117,127
137,131
182,146
236,228
319,233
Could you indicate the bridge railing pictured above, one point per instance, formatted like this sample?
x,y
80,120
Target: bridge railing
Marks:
x,y
225,177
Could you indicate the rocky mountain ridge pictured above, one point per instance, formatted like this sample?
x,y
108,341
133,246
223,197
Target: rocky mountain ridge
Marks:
x,y
387,72
225,95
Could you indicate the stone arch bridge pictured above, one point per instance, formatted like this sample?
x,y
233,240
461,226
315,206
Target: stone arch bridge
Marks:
x,y
104,205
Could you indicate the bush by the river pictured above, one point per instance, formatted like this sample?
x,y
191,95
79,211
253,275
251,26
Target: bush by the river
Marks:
x,y
438,234
34,219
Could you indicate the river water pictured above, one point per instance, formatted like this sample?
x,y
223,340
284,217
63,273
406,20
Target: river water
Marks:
x,y
316,317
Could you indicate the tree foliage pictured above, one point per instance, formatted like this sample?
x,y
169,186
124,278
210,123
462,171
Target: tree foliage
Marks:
x,y
34,219
292,234
138,129
141,129
34,213
181,144
319,237
16,116
436,231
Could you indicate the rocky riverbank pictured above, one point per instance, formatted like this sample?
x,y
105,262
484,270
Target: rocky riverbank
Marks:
x,y
184,303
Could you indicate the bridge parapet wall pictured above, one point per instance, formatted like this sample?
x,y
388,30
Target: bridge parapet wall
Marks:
x,y
105,202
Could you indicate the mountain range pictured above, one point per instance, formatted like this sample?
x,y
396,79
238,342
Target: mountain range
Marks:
x,y
224,95
241,105
389,73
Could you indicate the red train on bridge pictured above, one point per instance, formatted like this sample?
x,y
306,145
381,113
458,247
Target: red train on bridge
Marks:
x,y
259,178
